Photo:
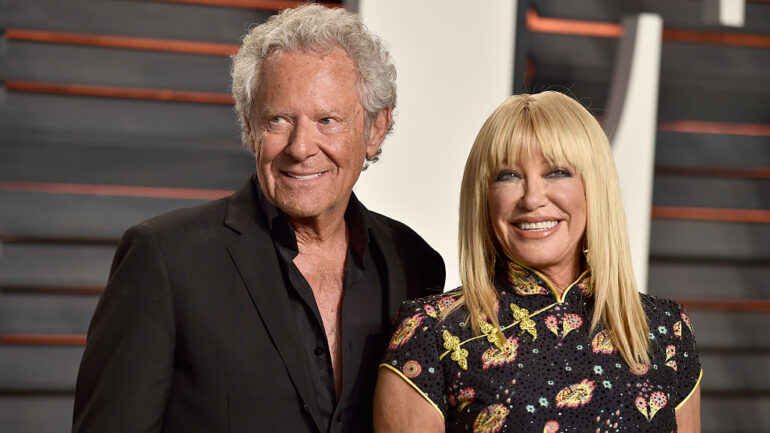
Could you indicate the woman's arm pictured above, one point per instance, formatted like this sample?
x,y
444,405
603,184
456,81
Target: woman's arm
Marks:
x,y
688,415
399,408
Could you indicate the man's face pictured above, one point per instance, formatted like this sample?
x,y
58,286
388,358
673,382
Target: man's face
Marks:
x,y
309,127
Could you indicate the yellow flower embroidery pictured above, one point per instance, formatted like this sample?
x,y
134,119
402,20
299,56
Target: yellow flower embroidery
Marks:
x,y
459,355
521,315
491,333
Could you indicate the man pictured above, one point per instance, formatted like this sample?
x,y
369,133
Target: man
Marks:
x,y
267,310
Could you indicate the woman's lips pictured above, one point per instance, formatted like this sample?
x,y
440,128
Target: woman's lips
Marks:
x,y
537,226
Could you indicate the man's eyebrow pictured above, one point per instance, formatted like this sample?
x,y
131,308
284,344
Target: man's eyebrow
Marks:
x,y
274,111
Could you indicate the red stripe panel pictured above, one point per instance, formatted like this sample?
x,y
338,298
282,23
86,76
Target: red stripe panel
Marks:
x,y
729,172
711,214
120,92
44,339
538,24
54,290
700,127
190,47
743,305
271,5
115,190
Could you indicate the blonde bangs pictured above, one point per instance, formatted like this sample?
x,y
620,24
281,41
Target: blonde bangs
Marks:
x,y
522,127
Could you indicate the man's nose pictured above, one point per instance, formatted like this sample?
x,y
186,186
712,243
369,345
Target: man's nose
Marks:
x,y
303,142
535,194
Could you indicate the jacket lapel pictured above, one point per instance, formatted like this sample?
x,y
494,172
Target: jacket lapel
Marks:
x,y
254,256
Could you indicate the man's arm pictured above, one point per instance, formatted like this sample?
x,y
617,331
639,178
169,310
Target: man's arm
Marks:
x,y
125,373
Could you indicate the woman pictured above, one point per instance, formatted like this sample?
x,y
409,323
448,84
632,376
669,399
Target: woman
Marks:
x,y
548,332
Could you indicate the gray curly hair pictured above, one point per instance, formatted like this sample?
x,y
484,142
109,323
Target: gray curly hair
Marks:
x,y
315,29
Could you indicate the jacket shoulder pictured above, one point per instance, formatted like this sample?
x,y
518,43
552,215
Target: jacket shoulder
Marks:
x,y
422,263
202,223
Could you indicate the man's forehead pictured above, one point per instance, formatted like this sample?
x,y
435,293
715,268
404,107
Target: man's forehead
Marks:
x,y
306,75
334,54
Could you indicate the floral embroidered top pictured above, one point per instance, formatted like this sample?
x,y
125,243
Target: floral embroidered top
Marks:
x,y
550,374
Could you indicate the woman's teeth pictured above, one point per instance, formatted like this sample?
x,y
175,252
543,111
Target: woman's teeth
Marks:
x,y
542,225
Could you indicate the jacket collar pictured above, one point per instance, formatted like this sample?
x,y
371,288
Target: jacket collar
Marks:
x,y
254,257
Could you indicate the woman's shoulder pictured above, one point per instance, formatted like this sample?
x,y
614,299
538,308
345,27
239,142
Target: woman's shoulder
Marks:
x,y
663,313
658,304
431,305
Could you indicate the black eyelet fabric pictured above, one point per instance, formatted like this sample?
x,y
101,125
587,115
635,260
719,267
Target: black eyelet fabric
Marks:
x,y
550,374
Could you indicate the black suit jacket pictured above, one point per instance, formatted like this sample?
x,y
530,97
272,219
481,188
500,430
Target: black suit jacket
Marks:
x,y
193,332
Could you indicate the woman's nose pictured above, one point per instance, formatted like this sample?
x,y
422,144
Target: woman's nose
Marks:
x,y
534,194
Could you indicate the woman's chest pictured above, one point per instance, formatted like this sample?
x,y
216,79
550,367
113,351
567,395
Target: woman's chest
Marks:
x,y
556,376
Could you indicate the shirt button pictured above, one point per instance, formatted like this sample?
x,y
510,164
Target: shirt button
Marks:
x,y
318,351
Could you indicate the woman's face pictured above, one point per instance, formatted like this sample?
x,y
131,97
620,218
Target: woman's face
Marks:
x,y
538,215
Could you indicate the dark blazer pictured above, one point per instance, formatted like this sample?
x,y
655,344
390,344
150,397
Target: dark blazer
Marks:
x,y
193,332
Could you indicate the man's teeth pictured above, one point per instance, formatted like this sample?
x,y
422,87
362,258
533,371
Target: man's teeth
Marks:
x,y
306,177
542,225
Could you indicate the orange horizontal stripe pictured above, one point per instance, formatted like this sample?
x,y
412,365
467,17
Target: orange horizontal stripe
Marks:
x,y
115,190
270,5
721,38
54,290
711,214
743,305
746,173
536,23
44,339
120,92
599,29
188,47
701,127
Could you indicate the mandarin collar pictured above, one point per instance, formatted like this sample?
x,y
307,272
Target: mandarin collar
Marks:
x,y
521,280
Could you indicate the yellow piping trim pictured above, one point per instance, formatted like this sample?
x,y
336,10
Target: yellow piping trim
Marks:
x,y
415,387
559,298
700,376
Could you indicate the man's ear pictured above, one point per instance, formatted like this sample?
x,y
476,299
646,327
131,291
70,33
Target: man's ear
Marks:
x,y
377,131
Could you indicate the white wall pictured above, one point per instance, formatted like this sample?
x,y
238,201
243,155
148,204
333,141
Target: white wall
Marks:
x,y
455,65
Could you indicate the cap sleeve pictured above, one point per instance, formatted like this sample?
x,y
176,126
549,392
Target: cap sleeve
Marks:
x,y
413,351
688,368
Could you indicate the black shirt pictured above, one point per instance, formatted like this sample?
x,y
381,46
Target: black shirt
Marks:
x,y
363,324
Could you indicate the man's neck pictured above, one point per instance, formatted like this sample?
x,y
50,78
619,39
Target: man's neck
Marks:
x,y
320,232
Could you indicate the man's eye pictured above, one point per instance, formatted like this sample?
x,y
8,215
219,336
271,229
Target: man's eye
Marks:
x,y
505,176
326,121
276,119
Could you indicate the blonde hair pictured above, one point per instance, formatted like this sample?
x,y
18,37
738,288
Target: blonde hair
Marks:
x,y
564,132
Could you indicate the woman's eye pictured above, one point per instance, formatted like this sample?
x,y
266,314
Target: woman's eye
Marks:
x,y
560,172
505,176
